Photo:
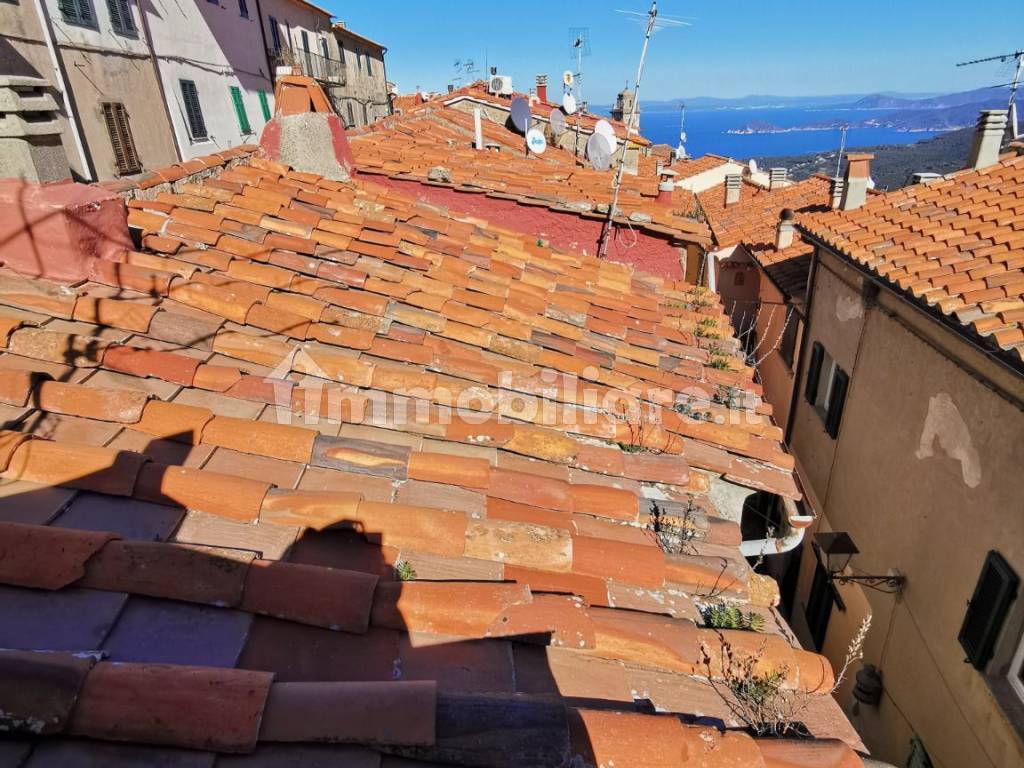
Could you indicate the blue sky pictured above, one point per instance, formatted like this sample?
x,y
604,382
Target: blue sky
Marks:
x,y
734,48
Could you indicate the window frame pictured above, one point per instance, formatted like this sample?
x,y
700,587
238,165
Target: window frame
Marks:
x,y
826,388
119,18
790,336
87,20
979,656
189,126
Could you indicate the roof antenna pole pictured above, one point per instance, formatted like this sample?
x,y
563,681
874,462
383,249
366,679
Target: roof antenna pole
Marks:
x,y
842,146
1014,84
606,230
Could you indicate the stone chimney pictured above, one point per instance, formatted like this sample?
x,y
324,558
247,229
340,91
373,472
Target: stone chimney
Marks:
x,y
733,184
666,185
988,136
30,144
785,231
836,186
777,178
542,87
855,185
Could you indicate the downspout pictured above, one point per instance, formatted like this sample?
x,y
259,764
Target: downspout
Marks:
x,y
271,72
160,83
797,523
387,93
65,93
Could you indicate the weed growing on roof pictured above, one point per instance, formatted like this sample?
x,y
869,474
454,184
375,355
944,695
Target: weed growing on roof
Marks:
x,y
706,329
730,397
675,533
404,571
687,408
721,615
639,432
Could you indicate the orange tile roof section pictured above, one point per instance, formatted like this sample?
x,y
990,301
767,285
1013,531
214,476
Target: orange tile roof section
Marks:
x,y
428,461
954,246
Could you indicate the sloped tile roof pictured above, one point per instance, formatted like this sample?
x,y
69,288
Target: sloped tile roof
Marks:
x,y
691,166
412,145
336,466
954,245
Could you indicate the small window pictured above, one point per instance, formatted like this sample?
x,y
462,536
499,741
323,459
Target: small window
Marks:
x,y
369,65
193,111
826,388
264,105
243,9
239,105
787,347
77,12
275,34
324,50
125,157
994,593
121,18
351,115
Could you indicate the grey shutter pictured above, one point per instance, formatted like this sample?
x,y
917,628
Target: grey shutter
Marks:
x,y
193,110
836,401
813,372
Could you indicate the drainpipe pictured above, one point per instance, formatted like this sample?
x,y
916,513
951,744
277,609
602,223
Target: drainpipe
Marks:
x,y
798,523
65,93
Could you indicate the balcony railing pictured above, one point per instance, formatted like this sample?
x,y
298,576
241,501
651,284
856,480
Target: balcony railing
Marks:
x,y
311,64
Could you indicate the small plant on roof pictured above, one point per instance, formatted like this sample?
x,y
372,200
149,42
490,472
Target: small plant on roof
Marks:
x,y
721,615
730,397
404,571
687,408
639,433
675,533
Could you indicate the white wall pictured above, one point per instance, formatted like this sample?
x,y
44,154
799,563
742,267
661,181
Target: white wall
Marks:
x,y
102,35
712,177
213,45
295,17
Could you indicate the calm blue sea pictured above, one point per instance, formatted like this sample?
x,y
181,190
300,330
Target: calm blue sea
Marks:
x,y
706,131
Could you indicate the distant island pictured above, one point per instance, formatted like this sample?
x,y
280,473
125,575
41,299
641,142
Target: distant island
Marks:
x,y
936,113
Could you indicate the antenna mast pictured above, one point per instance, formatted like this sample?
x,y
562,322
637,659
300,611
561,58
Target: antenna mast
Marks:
x,y
580,37
1018,75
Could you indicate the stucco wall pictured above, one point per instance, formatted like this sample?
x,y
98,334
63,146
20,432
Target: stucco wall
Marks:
x,y
925,479
292,18
654,255
216,48
360,88
711,178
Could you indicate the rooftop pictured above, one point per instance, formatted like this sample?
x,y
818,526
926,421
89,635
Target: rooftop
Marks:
x,y
952,245
324,473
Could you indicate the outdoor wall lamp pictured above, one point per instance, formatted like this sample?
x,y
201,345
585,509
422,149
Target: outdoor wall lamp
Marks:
x,y
836,549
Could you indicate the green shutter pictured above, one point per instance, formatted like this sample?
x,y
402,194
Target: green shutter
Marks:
x,y
243,119
264,105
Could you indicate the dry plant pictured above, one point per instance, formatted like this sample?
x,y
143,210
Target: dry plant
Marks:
x,y
756,696
640,429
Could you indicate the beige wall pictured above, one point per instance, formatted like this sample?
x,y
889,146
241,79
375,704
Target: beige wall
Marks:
x,y
924,475
360,88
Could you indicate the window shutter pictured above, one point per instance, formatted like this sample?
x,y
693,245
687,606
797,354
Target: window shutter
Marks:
x,y
193,110
993,595
813,372
264,105
243,9
125,157
275,34
836,401
121,17
243,118
85,12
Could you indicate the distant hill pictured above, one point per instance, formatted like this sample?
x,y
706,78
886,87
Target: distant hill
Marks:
x,y
769,100
893,164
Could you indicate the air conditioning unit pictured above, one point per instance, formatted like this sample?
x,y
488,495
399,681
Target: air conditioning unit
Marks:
x,y
501,85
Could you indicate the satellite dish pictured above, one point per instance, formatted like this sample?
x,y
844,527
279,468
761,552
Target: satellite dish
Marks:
x,y
752,165
599,152
604,128
567,77
535,141
557,120
520,114
569,103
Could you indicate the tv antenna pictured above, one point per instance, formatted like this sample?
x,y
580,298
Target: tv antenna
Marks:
x,y
681,149
1018,74
579,46
652,25
842,146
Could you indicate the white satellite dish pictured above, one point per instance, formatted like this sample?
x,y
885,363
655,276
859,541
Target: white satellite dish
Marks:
x,y
752,165
557,120
520,114
604,128
535,141
567,77
569,103
599,152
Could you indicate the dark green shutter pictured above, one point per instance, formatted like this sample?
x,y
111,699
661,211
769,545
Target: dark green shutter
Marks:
x,y
193,110
813,372
120,16
993,595
264,105
836,401
243,119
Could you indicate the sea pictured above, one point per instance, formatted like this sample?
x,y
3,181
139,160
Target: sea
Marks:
x,y
707,130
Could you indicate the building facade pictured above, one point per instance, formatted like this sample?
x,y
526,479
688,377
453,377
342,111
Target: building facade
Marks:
x,y
907,432
364,97
214,72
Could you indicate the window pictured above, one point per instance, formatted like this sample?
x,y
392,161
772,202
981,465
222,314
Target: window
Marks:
x,y
351,116
125,157
264,105
77,12
994,593
243,119
366,114
243,9
787,347
825,388
309,59
275,34
819,605
325,52
193,111
918,756
121,18
1016,673
369,65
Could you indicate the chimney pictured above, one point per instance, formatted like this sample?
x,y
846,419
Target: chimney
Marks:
x,y
988,136
733,184
920,177
836,186
666,185
784,232
855,185
542,87
478,132
777,178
